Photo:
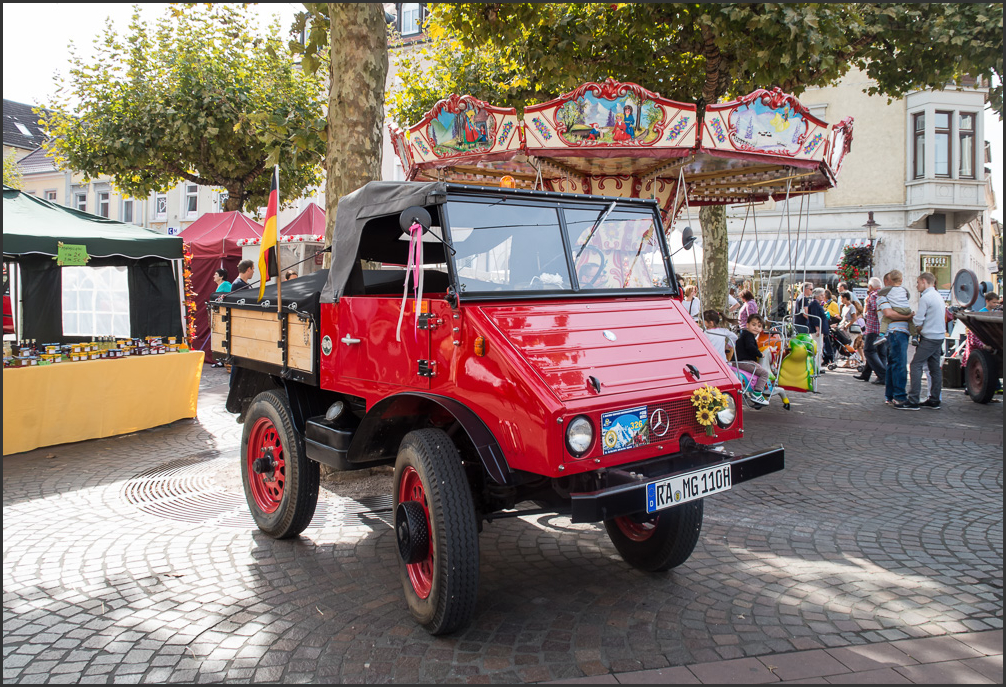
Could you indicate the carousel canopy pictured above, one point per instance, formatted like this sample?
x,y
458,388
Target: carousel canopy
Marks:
x,y
619,139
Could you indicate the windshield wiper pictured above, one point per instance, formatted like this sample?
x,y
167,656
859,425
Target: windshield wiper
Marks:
x,y
599,222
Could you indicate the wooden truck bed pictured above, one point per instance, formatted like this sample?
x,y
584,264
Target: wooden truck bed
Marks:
x,y
262,339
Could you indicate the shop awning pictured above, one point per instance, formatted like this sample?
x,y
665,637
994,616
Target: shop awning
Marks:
x,y
782,255
32,225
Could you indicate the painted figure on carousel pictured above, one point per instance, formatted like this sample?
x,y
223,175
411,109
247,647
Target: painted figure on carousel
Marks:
x,y
630,122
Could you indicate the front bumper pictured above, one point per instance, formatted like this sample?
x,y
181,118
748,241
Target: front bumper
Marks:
x,y
625,493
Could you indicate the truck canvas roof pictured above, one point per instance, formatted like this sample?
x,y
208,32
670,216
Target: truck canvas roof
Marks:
x,y
389,198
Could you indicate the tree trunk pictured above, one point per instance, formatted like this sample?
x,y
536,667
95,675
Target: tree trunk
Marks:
x,y
356,101
713,287
235,199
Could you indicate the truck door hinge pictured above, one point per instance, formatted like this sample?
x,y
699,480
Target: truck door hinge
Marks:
x,y
427,368
429,321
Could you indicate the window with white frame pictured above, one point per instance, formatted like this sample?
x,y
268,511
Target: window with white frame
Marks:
x,y
50,195
160,206
95,301
127,210
919,145
943,148
410,18
191,200
104,199
80,201
966,137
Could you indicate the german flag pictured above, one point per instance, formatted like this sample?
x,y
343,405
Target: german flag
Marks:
x,y
268,255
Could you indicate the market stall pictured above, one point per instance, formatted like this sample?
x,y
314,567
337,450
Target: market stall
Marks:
x,y
98,348
213,242
45,405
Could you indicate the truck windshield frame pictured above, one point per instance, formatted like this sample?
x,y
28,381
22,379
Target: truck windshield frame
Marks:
x,y
518,246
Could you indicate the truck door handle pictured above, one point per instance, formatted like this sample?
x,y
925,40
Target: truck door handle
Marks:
x,y
349,341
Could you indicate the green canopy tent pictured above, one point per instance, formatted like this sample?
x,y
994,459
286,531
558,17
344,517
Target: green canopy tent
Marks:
x,y
33,230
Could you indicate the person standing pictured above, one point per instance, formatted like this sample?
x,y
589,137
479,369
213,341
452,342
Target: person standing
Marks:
x,y
220,279
893,304
749,308
692,303
876,355
932,323
844,288
246,269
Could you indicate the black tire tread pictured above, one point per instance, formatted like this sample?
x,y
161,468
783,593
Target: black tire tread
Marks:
x,y
989,377
678,532
456,531
300,496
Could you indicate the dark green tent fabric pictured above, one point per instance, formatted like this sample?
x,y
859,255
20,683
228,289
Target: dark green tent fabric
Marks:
x,y
35,226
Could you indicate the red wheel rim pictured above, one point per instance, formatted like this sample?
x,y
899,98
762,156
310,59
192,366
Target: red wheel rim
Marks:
x,y
410,488
637,531
267,489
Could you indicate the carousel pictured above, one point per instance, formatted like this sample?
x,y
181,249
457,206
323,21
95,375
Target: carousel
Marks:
x,y
623,141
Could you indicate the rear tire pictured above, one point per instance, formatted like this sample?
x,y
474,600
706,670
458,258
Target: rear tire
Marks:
x,y
440,589
660,543
981,377
282,501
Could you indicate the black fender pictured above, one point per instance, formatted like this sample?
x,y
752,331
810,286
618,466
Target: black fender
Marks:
x,y
389,420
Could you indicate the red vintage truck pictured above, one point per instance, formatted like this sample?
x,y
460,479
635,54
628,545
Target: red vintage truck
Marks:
x,y
509,352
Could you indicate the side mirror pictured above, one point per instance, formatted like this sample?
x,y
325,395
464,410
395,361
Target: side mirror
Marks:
x,y
687,238
413,215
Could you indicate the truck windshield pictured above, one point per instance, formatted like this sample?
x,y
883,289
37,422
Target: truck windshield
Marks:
x,y
509,246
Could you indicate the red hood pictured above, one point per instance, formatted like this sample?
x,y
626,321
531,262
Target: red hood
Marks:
x,y
566,343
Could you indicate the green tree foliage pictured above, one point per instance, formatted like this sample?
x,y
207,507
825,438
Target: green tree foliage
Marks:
x,y
12,171
521,53
202,98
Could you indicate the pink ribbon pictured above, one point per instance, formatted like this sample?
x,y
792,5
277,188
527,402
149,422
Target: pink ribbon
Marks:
x,y
415,266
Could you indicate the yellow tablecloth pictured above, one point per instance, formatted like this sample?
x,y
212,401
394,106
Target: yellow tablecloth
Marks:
x,y
57,404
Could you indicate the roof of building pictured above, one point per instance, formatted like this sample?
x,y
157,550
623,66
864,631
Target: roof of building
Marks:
x,y
36,162
20,126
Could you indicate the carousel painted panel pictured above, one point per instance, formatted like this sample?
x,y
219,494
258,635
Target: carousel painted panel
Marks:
x,y
841,144
595,118
461,128
769,123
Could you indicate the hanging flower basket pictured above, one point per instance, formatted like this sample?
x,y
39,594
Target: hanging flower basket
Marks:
x,y
854,267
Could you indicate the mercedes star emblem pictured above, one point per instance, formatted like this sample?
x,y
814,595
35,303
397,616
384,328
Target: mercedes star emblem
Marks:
x,y
658,422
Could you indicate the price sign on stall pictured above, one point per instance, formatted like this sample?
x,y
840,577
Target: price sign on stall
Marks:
x,y
71,255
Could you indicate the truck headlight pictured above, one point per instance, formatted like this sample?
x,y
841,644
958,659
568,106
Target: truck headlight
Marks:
x,y
579,435
726,417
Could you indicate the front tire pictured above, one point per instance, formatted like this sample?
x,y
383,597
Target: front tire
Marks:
x,y
660,543
440,587
280,481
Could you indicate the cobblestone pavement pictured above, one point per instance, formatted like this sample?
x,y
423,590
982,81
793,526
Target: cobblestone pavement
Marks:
x,y
133,559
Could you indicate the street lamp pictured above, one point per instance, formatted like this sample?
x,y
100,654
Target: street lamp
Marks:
x,y
869,226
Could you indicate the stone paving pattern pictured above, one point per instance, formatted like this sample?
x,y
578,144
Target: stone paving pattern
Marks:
x,y
884,529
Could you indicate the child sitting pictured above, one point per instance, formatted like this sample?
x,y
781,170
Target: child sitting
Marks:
x,y
748,357
722,339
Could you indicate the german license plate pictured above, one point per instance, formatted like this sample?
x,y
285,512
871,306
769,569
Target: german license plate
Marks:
x,y
688,487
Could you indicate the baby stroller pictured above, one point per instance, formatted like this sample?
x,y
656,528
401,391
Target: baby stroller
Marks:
x,y
845,352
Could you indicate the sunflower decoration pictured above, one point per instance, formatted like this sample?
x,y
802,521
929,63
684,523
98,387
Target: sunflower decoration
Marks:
x,y
708,401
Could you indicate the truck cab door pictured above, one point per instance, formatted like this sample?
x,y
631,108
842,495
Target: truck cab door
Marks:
x,y
368,349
